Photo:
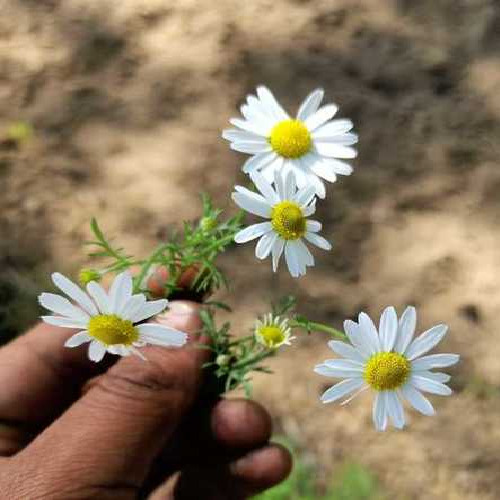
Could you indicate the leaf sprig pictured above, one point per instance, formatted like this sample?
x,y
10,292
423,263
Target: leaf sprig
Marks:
x,y
195,248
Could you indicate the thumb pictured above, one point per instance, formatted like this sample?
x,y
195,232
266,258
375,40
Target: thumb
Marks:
x,y
105,443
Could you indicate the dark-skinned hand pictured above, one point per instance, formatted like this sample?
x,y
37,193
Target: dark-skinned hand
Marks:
x,y
71,429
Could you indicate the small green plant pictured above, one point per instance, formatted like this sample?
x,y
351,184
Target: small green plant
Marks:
x,y
352,482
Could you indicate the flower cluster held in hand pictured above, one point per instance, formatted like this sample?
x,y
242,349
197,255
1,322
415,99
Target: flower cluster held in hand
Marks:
x,y
290,159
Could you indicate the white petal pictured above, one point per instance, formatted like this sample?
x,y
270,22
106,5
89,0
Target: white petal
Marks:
x,y
251,202
305,256
258,162
435,361
268,172
321,116
406,329
300,169
318,184
64,322
134,304
341,139
313,226
62,306
265,244
277,250
265,188
150,309
388,328
304,196
426,341
428,385
335,150
253,147
239,135
290,183
292,260
345,364
100,297
395,410
337,166
341,389
266,96
119,350
252,232
318,240
260,127
327,371
78,339
120,292
302,254
97,350
353,332
309,209
346,350
369,332
310,104
436,376
279,183
417,400
75,293
379,414
333,128
258,108
156,334
324,171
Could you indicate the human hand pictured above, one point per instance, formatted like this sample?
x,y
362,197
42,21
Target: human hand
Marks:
x,y
72,429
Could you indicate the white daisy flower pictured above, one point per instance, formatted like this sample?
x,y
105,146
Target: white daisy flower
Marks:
x,y
287,208
310,144
108,321
273,332
390,363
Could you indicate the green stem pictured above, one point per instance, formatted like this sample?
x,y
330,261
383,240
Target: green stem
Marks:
x,y
146,266
253,360
311,325
223,241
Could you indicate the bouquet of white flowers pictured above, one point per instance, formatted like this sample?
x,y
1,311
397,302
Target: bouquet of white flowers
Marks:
x,y
290,158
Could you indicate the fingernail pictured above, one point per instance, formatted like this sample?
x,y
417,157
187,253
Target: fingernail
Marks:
x,y
178,308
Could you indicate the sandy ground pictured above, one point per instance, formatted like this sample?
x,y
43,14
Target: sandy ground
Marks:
x,y
128,98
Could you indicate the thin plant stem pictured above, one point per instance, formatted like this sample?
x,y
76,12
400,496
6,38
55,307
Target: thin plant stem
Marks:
x,y
311,325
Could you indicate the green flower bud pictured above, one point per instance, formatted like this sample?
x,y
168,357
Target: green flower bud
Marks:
x,y
87,275
208,223
223,359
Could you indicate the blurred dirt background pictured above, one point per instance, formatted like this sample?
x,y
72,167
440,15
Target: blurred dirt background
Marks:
x,y
127,100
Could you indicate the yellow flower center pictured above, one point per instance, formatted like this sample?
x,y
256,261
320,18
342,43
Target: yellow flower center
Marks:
x,y
290,138
288,220
110,329
386,371
271,335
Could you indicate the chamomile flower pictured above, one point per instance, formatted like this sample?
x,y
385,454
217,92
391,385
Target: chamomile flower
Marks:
x,y
312,144
109,322
273,332
389,362
287,207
